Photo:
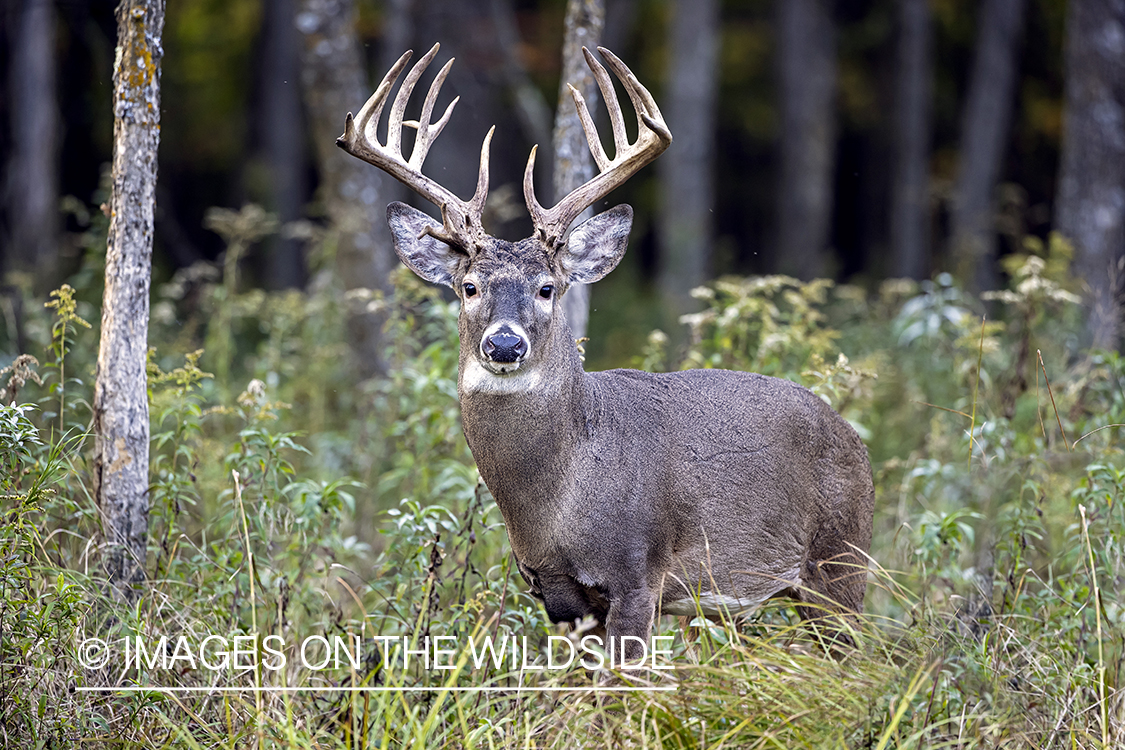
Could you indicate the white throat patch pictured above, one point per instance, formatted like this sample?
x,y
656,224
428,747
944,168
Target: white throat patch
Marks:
x,y
479,379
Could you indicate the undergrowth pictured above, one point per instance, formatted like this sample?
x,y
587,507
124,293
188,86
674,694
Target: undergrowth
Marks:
x,y
299,515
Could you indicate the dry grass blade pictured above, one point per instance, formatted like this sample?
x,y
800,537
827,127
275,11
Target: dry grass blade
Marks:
x,y
1051,392
1091,432
944,408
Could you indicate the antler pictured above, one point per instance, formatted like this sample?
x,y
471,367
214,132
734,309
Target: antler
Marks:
x,y
461,221
653,137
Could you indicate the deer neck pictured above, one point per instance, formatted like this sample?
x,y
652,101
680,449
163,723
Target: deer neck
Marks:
x,y
523,436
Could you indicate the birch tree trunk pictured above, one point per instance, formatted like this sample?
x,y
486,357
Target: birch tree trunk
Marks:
x,y
807,66
687,191
910,196
574,165
121,428
32,189
355,195
984,136
1090,209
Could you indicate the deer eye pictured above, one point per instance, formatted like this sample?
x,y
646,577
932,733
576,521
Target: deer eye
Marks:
x,y
469,289
546,291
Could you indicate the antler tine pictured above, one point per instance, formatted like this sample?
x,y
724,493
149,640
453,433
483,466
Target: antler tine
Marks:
x,y
423,139
437,127
641,97
591,130
372,109
609,96
653,137
533,206
461,220
398,109
481,193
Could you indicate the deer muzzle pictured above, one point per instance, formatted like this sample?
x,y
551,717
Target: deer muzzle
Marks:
x,y
504,346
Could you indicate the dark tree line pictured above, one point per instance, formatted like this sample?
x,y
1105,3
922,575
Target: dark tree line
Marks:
x,y
863,138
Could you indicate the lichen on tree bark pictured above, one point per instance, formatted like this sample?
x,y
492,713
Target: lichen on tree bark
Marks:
x,y
121,428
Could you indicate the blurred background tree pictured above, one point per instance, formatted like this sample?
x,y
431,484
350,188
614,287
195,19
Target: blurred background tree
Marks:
x,y
985,123
858,139
1091,193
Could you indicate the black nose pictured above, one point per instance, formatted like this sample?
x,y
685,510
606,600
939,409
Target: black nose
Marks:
x,y
504,347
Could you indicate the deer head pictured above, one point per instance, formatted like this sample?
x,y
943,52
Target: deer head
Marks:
x,y
510,312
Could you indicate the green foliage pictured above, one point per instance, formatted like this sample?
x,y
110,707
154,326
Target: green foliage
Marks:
x,y
305,504
41,607
62,331
239,229
654,356
769,324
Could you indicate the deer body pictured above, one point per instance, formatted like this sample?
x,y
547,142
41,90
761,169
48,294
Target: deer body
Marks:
x,y
625,493
642,493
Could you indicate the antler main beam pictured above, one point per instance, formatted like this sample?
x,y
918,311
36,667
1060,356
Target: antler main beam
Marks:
x,y
653,137
461,220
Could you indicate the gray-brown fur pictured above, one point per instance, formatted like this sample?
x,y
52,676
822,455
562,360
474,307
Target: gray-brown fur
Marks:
x,y
624,491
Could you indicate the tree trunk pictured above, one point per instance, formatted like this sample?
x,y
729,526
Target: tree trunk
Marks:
x,y
910,196
807,63
687,171
32,189
398,31
620,22
574,165
120,426
468,32
984,137
354,194
531,107
1090,208
281,133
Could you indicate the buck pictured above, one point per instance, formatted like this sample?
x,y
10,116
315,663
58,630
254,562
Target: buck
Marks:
x,y
625,493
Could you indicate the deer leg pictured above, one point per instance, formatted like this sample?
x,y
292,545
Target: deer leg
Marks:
x,y
832,591
631,614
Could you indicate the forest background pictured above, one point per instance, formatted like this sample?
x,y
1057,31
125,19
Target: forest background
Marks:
x,y
916,208
854,140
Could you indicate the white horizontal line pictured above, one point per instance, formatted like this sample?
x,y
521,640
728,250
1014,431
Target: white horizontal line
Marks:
x,y
411,689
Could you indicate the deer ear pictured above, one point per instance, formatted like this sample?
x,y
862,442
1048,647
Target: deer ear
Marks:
x,y
597,245
423,254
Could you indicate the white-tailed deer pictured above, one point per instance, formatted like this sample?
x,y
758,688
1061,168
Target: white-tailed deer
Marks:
x,y
625,493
